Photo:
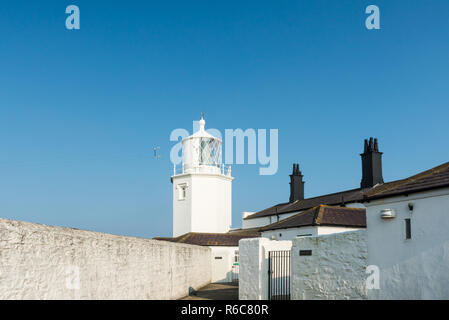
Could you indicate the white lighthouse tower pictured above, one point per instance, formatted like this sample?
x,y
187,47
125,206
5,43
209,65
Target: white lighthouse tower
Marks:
x,y
202,189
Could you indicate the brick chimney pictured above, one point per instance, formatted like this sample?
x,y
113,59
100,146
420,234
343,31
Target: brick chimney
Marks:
x,y
296,184
371,164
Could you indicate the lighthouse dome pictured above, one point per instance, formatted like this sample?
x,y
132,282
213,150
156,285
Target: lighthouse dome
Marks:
x,y
201,152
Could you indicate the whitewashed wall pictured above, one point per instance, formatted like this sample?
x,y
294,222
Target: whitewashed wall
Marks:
x,y
182,208
42,262
292,233
335,270
223,259
253,276
250,265
207,206
264,221
211,203
416,268
255,223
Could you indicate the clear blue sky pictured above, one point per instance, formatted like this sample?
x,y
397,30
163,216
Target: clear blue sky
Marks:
x,y
80,111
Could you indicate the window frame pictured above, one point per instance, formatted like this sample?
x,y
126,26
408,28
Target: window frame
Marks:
x,y
182,191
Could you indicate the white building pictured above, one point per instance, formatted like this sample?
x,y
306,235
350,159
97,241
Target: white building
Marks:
x,y
319,220
202,190
402,255
406,237
202,204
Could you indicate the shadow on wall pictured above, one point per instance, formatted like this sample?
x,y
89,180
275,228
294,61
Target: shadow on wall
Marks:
x,y
231,277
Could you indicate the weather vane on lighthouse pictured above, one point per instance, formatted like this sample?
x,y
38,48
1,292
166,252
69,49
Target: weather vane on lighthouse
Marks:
x,y
156,155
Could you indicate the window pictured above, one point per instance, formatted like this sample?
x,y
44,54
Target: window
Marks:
x,y
182,191
304,235
408,228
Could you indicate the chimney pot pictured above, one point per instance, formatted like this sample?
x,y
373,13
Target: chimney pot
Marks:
x,y
371,164
296,184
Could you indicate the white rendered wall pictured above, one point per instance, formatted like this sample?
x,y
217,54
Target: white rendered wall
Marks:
x,y
335,270
255,223
356,205
292,233
222,269
323,230
42,262
250,265
417,268
207,206
211,203
182,220
264,221
253,276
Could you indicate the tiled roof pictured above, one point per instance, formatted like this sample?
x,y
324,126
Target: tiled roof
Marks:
x,y
338,198
245,231
323,215
434,178
230,239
